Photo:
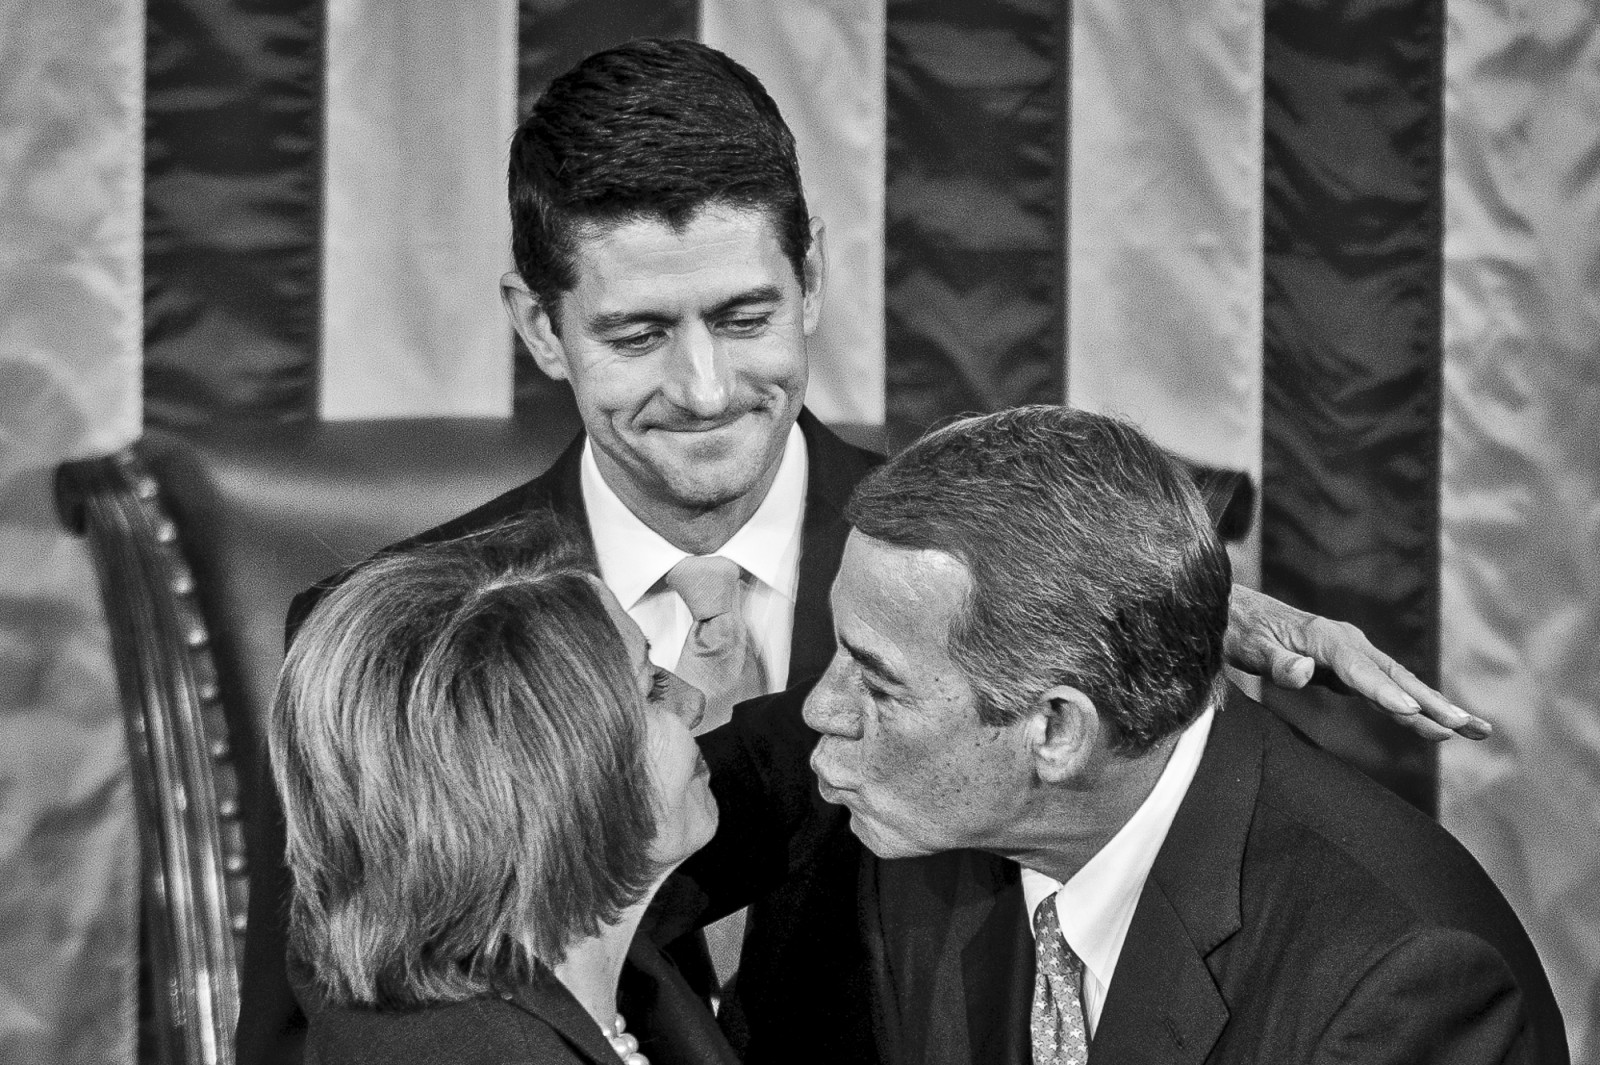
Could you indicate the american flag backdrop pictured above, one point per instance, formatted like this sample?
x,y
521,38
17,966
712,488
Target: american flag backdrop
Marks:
x,y
1350,248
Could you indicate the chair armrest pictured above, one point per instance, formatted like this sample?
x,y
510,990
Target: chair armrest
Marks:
x,y
185,785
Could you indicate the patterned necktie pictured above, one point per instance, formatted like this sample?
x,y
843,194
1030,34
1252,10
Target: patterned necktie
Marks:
x,y
1060,1034
719,654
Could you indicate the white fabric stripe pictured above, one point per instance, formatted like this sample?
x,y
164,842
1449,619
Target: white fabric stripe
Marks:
x,y
421,104
823,62
71,327
1521,472
1164,290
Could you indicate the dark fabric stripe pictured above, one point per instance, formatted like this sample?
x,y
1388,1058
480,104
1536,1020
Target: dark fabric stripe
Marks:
x,y
1350,523
233,190
552,36
974,208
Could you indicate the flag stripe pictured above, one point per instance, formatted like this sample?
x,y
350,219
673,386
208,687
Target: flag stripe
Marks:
x,y
552,36
822,61
975,271
232,204
1165,223
1353,147
1521,474
420,107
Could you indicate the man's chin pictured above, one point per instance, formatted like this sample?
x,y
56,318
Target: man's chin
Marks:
x,y
715,482
883,844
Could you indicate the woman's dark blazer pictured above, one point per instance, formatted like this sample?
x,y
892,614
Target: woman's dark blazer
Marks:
x,y
541,1024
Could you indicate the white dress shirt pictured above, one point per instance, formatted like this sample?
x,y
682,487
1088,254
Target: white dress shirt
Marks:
x,y
1096,906
634,559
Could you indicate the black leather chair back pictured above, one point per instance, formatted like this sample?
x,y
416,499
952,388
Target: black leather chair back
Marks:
x,y
200,538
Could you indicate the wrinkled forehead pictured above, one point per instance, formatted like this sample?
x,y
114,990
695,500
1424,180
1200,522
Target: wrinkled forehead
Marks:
x,y
899,601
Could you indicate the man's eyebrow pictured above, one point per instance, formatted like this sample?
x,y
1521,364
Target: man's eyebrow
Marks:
x,y
610,321
870,660
759,294
607,321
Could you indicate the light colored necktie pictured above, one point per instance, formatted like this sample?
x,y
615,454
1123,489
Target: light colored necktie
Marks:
x,y
719,655
1060,1032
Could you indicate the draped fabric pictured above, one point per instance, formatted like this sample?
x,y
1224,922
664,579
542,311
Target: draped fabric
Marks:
x,y
976,191
70,92
232,210
1349,250
1353,212
1520,493
433,85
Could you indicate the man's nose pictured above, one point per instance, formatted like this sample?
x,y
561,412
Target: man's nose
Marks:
x,y
699,379
831,707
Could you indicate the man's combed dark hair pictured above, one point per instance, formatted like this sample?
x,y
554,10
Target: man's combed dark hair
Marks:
x,y
458,738
1092,559
653,128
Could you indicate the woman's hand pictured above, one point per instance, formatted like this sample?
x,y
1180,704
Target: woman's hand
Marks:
x,y
1287,646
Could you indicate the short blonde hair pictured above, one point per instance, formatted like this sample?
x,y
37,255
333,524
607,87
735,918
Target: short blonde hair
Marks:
x,y
459,743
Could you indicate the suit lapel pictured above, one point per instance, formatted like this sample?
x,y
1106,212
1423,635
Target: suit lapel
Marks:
x,y
1164,1003
952,959
833,470
560,488
998,967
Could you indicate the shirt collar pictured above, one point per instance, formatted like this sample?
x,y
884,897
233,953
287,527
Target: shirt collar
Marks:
x,y
634,557
1096,906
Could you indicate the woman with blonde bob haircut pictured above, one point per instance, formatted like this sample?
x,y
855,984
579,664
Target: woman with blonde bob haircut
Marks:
x,y
484,781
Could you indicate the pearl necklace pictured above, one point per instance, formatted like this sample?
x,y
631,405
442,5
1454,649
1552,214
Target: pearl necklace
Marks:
x,y
626,1046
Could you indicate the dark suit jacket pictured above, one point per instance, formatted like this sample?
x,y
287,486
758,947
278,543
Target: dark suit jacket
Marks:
x,y
541,1024
1296,913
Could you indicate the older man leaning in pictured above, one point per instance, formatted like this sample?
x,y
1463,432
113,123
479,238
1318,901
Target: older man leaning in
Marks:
x,y
1036,825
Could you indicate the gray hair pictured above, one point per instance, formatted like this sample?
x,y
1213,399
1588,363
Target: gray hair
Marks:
x,y
1093,563
459,743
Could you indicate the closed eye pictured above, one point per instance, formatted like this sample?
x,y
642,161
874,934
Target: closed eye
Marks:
x,y
745,325
660,681
637,343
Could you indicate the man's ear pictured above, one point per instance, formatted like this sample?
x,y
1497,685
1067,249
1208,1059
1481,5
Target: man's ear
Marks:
x,y
813,278
532,323
1065,728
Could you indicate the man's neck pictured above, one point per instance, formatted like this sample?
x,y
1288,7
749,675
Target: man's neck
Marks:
x,y
1066,825
699,532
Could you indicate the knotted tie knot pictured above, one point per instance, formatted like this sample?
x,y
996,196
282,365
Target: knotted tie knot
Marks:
x,y
708,585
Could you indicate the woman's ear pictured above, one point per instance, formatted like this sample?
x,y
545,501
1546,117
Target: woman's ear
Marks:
x,y
1065,728
531,320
